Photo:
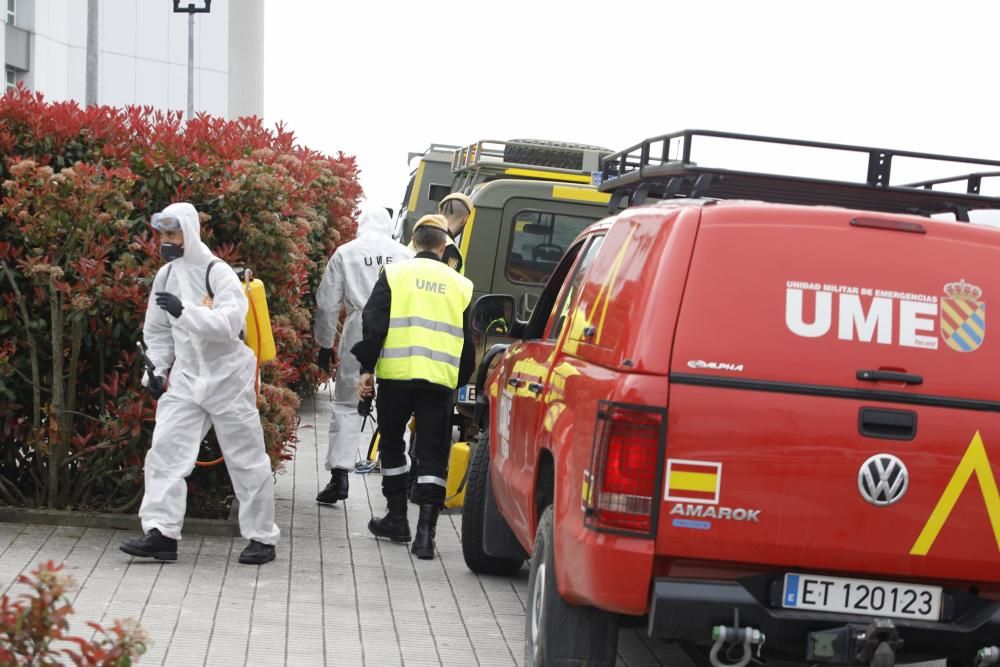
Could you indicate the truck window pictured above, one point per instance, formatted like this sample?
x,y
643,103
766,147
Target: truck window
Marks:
x,y
561,312
549,296
538,242
438,192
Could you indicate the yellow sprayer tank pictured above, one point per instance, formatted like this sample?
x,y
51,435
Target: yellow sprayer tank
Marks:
x,y
258,336
458,463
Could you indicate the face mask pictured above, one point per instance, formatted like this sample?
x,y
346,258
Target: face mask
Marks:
x,y
171,251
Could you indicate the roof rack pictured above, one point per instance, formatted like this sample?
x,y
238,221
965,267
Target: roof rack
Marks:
x,y
973,181
433,148
492,158
663,167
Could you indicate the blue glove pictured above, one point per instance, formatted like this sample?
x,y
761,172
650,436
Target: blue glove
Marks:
x,y
156,387
169,303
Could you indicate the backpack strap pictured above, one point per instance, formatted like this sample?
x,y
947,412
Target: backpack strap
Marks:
x,y
208,288
208,272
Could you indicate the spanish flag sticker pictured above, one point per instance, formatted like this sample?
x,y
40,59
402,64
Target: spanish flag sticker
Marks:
x,y
693,481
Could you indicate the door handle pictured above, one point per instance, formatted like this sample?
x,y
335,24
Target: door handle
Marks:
x,y
890,376
515,383
535,387
887,424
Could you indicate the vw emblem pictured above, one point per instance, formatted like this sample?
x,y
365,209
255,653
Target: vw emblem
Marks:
x,y
883,479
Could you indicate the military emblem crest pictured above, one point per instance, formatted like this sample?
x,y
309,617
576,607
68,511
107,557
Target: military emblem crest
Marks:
x,y
963,316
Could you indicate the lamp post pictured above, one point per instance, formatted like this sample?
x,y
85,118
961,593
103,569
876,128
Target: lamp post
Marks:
x,y
191,10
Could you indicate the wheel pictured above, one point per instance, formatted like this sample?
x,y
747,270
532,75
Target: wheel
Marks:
x,y
473,511
558,633
548,153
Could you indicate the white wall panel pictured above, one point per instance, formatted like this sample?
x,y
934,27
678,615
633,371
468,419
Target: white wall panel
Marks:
x,y
117,85
76,23
76,74
142,52
118,18
177,87
211,93
151,30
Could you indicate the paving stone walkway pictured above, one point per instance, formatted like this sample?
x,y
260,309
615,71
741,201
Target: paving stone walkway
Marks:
x,y
334,596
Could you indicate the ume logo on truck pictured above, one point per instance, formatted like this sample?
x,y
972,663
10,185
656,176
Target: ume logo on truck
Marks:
x,y
888,317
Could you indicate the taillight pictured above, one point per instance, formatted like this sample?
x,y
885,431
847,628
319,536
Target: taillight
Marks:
x,y
624,475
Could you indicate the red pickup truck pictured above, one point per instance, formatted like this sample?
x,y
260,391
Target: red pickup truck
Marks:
x,y
766,430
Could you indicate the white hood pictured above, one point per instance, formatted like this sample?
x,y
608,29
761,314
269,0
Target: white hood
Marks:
x,y
196,253
374,220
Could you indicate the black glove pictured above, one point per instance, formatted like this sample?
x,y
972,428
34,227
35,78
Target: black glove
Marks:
x,y
169,303
156,387
325,357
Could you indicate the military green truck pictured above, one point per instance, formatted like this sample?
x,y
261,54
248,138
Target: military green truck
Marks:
x,y
530,200
430,181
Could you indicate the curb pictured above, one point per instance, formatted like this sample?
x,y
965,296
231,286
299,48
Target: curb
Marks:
x,y
44,517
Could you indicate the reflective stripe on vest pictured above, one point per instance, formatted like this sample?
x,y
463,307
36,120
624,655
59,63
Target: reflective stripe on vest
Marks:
x,y
426,335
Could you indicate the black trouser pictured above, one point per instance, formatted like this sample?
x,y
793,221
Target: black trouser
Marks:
x,y
396,402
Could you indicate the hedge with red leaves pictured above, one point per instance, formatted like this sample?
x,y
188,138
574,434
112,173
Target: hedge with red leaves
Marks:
x,y
76,260
34,626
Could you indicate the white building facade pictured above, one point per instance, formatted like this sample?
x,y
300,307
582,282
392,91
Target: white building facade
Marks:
x,y
142,53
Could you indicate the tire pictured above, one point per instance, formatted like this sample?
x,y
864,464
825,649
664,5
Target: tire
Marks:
x,y
473,511
541,153
557,633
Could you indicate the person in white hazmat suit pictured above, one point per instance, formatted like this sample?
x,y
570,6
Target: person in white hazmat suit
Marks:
x,y
194,340
347,283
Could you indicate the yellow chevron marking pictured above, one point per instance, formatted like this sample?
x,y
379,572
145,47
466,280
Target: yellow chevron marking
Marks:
x,y
975,461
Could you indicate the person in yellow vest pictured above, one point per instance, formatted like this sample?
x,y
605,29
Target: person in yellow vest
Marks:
x,y
416,339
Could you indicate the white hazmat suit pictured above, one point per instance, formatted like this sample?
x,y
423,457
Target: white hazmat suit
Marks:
x,y
211,384
347,282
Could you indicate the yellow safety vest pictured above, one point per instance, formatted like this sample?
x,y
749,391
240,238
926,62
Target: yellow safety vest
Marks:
x,y
425,335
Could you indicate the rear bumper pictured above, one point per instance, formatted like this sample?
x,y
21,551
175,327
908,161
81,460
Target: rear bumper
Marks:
x,y
687,609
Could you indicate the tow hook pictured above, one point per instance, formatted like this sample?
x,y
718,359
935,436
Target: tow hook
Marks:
x,y
877,644
723,634
986,656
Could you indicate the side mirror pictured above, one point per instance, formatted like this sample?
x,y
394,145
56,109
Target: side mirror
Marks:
x,y
493,315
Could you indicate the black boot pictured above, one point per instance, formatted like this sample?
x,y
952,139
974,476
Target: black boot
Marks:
x,y
394,524
423,545
257,553
151,545
336,489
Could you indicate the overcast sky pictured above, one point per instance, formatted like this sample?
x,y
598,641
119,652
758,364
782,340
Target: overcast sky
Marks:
x,y
378,79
